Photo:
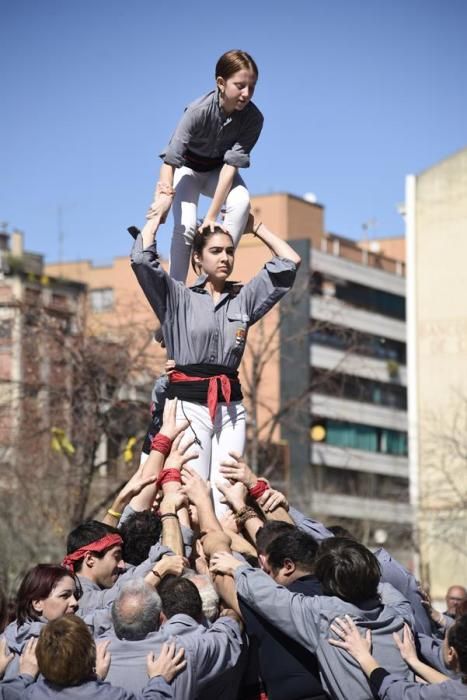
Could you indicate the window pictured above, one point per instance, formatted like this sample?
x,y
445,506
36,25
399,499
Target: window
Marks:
x,y
359,295
342,338
358,389
374,300
355,483
362,437
101,299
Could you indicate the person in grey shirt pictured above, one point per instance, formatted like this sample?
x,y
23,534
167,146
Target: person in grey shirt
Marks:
x,y
137,614
71,666
390,686
349,575
211,142
205,330
392,571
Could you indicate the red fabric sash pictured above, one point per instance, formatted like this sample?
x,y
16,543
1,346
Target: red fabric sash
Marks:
x,y
105,542
226,389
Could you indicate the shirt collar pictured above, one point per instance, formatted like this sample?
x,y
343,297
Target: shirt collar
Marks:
x,y
200,283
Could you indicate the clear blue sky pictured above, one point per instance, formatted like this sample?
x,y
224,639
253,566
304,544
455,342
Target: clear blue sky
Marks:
x,y
355,93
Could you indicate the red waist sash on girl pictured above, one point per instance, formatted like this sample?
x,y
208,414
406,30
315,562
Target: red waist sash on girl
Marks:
x,y
212,398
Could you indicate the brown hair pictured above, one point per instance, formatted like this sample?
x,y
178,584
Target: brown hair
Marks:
x,y
200,242
233,61
38,584
66,653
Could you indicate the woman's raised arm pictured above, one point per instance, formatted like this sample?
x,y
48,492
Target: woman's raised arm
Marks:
x,y
277,245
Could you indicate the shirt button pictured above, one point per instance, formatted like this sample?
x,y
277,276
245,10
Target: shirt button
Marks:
x,y
212,357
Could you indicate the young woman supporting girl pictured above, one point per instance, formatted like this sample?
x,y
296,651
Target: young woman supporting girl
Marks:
x,y
205,329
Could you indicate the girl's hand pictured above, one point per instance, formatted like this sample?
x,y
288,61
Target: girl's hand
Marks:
x,y
102,659
406,645
211,225
163,198
5,656
167,664
28,660
350,639
169,367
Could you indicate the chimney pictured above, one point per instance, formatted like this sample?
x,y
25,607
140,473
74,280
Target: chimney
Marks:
x,y
16,244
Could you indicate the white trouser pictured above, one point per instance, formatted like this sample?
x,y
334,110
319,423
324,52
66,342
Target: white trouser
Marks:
x,y
188,185
217,439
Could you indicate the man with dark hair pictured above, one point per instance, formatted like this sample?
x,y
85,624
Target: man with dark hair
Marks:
x,y
137,615
308,620
392,571
139,531
94,552
265,535
180,596
291,558
288,670
347,570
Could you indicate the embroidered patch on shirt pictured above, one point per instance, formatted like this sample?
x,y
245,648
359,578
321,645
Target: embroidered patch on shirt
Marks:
x,y
240,336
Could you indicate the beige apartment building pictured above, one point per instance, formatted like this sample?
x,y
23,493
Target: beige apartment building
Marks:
x,y
35,310
324,374
436,226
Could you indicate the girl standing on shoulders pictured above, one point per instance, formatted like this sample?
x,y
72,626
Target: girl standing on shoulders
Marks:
x,y
212,141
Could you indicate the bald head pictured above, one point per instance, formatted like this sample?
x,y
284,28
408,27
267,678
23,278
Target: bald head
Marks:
x,y
454,596
136,610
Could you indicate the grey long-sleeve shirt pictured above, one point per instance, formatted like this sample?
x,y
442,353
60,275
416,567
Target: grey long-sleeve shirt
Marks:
x,y
391,570
308,621
205,130
395,688
23,688
208,653
95,598
198,331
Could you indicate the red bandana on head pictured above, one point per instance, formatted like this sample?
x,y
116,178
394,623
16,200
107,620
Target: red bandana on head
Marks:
x,y
110,540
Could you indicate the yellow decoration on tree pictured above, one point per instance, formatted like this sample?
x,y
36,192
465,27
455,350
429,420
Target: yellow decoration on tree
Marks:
x,y
128,451
61,443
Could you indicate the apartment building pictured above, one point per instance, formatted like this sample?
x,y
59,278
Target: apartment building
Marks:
x,y
348,442
37,312
436,216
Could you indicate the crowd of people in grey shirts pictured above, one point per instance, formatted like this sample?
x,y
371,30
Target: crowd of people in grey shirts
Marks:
x,y
164,599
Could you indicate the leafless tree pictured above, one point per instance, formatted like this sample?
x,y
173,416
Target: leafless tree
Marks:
x,y
72,429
